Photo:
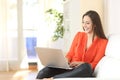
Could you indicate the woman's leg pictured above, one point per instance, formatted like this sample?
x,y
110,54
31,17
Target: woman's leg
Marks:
x,y
83,70
48,72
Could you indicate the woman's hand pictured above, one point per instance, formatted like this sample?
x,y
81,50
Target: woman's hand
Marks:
x,y
75,64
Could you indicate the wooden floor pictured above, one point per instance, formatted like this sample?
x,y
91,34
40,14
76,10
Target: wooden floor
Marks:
x,y
19,75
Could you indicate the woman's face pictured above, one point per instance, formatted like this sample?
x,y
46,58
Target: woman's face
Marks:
x,y
87,24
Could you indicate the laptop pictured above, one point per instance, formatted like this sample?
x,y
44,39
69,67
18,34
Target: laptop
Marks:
x,y
52,57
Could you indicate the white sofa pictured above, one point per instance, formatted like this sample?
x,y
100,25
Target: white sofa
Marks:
x,y
109,66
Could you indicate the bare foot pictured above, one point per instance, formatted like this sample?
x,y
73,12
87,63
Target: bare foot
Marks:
x,y
47,79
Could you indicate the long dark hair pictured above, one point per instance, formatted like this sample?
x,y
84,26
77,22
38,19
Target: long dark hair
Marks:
x,y
98,29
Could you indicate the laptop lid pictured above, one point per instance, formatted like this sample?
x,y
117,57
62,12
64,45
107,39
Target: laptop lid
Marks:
x,y
52,57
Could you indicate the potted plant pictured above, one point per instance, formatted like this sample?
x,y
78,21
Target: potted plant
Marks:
x,y
58,18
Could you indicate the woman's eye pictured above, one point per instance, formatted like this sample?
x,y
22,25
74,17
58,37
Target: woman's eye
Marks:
x,y
87,23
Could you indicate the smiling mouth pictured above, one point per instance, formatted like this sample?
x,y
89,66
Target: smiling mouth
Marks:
x,y
86,29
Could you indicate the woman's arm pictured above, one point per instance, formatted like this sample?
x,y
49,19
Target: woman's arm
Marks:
x,y
71,51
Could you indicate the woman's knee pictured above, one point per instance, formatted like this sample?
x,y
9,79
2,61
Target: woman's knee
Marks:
x,y
49,72
44,73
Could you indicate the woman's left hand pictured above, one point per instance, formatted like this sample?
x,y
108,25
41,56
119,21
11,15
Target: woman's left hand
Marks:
x,y
75,64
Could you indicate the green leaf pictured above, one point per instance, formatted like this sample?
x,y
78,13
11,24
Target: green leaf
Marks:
x,y
58,18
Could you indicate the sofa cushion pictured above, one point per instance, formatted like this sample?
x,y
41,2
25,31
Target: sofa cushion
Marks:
x,y
109,65
113,46
108,68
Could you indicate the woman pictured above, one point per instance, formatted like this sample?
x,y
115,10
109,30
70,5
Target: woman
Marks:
x,y
87,49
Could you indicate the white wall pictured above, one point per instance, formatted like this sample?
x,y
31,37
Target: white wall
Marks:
x,y
112,8
72,21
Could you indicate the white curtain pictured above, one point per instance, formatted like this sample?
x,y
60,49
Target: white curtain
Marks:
x,y
12,49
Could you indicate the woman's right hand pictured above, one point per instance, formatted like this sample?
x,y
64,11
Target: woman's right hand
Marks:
x,y
68,60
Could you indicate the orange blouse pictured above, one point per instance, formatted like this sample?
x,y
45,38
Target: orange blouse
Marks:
x,y
92,55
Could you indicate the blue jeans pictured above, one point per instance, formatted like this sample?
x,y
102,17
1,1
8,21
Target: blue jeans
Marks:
x,y
83,70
